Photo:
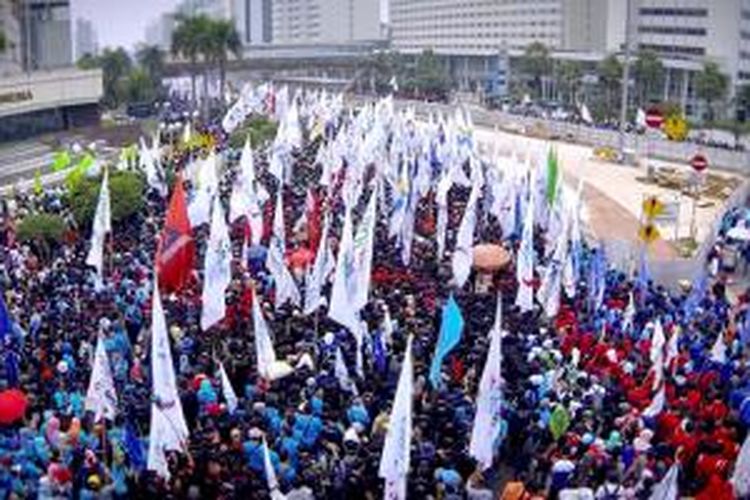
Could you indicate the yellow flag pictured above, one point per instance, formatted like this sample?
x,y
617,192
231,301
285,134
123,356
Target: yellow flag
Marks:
x,y
38,188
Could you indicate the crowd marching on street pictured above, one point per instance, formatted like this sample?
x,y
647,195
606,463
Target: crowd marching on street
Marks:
x,y
308,320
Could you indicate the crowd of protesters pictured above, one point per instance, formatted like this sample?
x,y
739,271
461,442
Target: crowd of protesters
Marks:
x,y
575,387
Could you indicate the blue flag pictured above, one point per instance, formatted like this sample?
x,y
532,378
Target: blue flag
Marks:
x,y
379,352
451,326
6,325
134,447
697,292
643,276
745,329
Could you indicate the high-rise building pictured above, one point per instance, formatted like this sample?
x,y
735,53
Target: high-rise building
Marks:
x,y
484,26
46,34
253,20
159,31
326,21
10,58
86,40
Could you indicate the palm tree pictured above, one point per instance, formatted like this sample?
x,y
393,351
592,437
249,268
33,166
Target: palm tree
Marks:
x,y
610,74
189,42
151,60
223,39
649,75
568,75
711,85
536,64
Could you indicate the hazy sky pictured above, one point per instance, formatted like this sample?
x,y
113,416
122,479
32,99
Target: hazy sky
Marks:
x,y
120,22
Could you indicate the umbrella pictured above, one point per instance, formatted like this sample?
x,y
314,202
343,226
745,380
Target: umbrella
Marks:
x,y
740,232
12,406
301,258
490,257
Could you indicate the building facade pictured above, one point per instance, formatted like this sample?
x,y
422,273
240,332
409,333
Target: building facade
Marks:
x,y
253,20
46,34
325,21
10,27
474,38
86,40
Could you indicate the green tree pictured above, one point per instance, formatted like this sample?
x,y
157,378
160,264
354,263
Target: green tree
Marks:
x,y
3,42
568,76
610,76
648,72
189,41
139,87
43,231
223,40
536,65
711,86
88,61
151,59
430,77
126,191
116,65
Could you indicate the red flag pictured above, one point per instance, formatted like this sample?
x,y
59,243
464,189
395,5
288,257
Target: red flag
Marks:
x,y
176,251
312,213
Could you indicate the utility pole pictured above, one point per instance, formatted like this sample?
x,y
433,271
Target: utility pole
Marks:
x,y
625,78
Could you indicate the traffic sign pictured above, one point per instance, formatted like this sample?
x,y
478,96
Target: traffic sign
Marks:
x,y
652,207
654,118
699,162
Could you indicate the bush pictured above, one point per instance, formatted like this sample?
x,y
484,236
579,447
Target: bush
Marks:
x,y
41,228
260,129
126,194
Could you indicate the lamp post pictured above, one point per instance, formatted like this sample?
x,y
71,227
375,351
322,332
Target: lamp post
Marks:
x,y
625,81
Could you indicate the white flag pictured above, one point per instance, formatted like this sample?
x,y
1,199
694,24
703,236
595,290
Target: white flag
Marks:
x,y
148,160
340,308
657,404
629,314
319,272
658,340
245,201
488,420
206,185
101,397
263,345
395,460
364,241
286,288
525,262
441,199
102,226
226,389
217,269
549,291
668,488
463,254
586,114
640,118
342,373
741,476
168,429
273,484
719,350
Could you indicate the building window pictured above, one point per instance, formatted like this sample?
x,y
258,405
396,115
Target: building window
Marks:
x,y
675,50
678,12
672,30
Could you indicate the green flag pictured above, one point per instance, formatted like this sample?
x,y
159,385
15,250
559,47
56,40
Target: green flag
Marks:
x,y
38,188
77,173
553,175
61,160
559,422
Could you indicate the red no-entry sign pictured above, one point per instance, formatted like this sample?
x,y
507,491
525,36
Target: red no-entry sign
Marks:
x,y
654,118
699,162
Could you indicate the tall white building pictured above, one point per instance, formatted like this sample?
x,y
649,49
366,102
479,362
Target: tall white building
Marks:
x,y
326,21
484,26
253,20
10,58
46,32
86,39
